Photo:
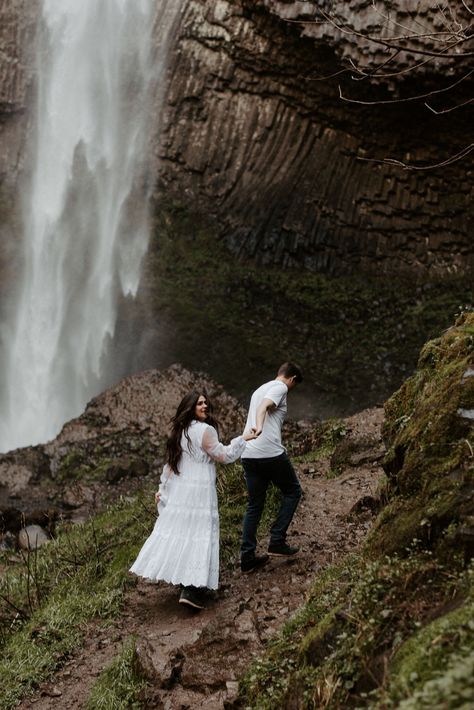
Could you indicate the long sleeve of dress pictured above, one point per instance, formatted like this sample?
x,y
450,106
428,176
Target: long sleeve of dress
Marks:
x,y
219,452
163,488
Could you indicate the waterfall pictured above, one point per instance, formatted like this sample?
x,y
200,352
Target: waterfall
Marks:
x,y
85,212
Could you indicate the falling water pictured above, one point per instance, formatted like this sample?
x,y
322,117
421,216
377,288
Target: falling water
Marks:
x,y
86,227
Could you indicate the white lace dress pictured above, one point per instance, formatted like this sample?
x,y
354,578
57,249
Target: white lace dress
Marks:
x,y
184,545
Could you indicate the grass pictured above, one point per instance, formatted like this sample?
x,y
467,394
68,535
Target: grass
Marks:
x,y
392,627
120,684
343,648
48,599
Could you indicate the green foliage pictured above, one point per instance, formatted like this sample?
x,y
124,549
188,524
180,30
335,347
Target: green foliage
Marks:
x,y
120,684
345,646
333,431
46,602
357,336
392,627
429,464
422,661
453,688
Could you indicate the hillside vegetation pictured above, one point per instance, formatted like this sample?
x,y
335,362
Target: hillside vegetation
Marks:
x,y
393,626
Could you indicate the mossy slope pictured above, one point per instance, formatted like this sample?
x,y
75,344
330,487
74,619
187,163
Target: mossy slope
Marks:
x,y
393,626
49,599
357,336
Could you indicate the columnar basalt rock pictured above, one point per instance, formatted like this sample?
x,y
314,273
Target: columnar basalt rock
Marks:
x,y
17,23
254,134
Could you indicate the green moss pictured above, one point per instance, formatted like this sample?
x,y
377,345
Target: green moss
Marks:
x,y
339,648
453,688
93,459
427,653
429,462
330,434
74,465
356,336
392,626
120,685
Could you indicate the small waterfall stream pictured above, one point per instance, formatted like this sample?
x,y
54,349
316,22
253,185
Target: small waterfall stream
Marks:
x,y
85,214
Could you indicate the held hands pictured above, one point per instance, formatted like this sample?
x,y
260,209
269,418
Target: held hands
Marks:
x,y
252,434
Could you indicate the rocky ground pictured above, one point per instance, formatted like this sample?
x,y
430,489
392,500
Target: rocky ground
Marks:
x,y
194,660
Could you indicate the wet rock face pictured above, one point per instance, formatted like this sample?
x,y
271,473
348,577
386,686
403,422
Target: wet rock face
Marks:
x,y
253,135
17,32
17,37
17,24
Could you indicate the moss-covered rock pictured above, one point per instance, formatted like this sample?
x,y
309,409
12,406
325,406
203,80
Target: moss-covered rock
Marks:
x,y
357,337
429,464
392,626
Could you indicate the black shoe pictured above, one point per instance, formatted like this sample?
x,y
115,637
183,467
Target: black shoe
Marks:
x,y
282,550
249,564
191,597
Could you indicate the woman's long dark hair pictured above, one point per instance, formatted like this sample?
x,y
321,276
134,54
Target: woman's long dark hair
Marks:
x,y
185,414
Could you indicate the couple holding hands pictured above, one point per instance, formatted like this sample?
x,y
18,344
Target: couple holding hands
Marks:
x,y
183,548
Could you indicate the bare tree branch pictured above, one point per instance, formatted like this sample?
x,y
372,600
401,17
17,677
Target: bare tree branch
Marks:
x,y
448,110
467,8
409,98
407,166
389,42
418,48
387,75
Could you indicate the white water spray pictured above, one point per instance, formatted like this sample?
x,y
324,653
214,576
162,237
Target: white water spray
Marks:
x,y
86,227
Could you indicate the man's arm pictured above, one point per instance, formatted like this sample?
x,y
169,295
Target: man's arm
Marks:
x,y
264,407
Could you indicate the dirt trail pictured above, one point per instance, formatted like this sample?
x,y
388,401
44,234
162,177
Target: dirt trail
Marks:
x,y
195,660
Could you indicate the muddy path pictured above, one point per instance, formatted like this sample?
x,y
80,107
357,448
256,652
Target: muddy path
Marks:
x,y
194,660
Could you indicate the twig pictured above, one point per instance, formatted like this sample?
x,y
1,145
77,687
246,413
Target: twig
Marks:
x,y
389,19
389,42
36,577
96,546
19,611
409,98
470,447
329,76
374,73
406,70
26,562
406,166
467,8
448,110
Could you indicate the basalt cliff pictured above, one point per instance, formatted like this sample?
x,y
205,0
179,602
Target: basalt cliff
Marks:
x,y
254,131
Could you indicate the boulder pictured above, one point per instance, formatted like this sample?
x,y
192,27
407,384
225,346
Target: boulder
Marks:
x,y
32,537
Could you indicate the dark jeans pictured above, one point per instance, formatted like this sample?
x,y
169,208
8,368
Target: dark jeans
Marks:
x,y
259,473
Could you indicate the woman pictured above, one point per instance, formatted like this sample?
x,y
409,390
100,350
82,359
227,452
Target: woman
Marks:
x,y
184,545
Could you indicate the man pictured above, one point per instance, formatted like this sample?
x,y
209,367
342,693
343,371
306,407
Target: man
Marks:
x,y
265,461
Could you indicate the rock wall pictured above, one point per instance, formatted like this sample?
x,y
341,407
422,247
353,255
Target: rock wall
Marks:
x,y
255,134
17,23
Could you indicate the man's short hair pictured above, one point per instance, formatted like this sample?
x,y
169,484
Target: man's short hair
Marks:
x,y
289,369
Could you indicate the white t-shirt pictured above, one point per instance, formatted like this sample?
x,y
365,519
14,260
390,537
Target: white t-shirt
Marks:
x,y
268,444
